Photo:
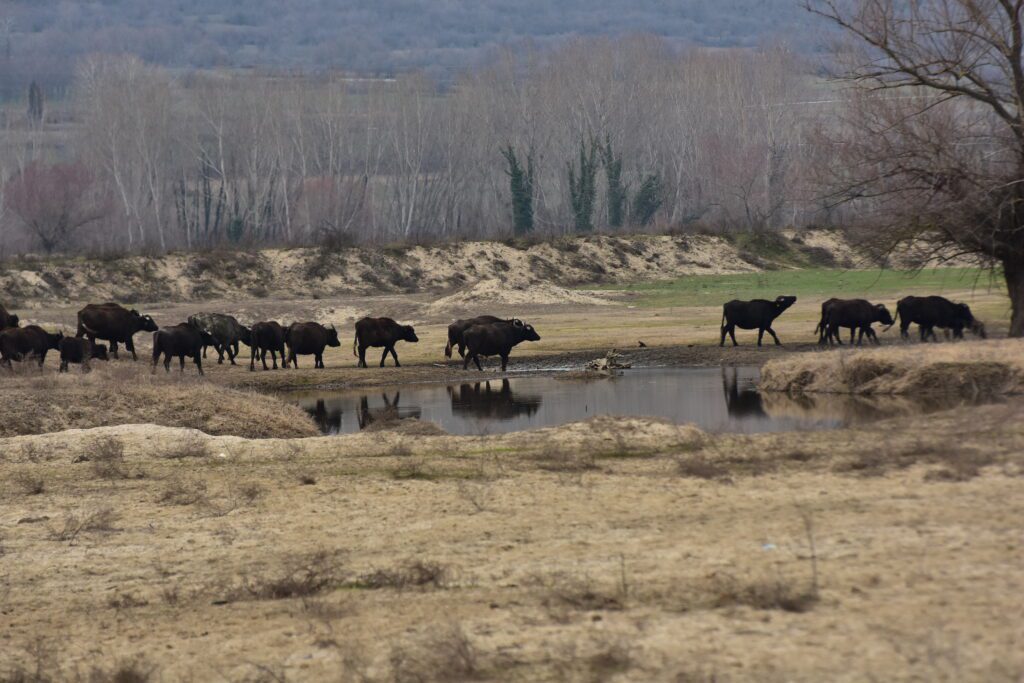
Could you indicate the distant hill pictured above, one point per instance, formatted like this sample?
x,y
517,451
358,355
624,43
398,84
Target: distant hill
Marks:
x,y
43,38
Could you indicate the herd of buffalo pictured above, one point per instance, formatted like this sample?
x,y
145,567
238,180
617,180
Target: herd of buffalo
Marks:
x,y
473,337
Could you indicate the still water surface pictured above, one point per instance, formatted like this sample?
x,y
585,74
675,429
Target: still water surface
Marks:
x,y
715,399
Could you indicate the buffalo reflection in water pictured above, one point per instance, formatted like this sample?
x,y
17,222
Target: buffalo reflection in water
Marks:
x,y
481,400
327,420
388,413
739,402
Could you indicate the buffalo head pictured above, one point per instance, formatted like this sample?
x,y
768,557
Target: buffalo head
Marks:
x,y
784,302
12,320
409,334
332,337
978,328
530,334
883,315
145,323
245,334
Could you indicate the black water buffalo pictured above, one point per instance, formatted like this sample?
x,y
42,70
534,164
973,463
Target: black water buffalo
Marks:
x,y
379,332
822,329
495,339
19,343
226,332
304,339
77,350
929,312
264,337
456,329
7,319
180,340
753,315
856,314
113,323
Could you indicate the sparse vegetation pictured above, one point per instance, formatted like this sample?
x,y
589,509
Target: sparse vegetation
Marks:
x,y
28,482
100,520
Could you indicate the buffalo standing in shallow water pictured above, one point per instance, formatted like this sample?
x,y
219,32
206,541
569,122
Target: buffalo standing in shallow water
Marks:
x,y
7,319
495,339
856,314
379,332
267,336
306,339
77,350
180,340
114,323
758,314
930,312
226,332
20,343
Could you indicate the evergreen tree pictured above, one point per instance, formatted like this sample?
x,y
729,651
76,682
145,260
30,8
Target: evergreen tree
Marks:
x,y
647,200
617,193
520,182
35,103
582,186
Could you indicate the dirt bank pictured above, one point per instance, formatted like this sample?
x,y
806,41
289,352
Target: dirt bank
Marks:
x,y
614,549
992,368
126,393
472,267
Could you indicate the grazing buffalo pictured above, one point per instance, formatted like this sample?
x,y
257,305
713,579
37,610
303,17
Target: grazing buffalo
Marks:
x,y
180,340
753,315
7,319
267,336
856,314
930,312
380,332
304,339
19,343
495,339
113,323
77,350
456,329
226,332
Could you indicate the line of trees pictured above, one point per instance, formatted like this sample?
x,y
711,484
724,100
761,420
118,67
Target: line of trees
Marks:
x,y
600,135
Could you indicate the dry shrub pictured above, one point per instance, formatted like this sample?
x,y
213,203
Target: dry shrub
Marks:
x,y
28,482
780,594
250,491
554,459
700,467
416,574
562,591
128,671
614,656
411,469
449,655
306,477
183,492
863,369
956,464
100,520
108,462
191,446
307,576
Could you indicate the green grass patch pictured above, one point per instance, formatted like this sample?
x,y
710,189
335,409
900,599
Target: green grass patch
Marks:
x,y
713,290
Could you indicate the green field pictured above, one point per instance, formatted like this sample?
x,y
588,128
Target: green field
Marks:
x,y
819,283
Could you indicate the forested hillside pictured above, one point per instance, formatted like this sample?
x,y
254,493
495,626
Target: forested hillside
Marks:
x,y
43,38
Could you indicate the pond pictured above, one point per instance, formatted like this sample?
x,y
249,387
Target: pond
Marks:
x,y
715,399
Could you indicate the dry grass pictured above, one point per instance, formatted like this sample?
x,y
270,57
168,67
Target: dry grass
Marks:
x,y
28,482
125,393
415,574
307,576
99,521
969,369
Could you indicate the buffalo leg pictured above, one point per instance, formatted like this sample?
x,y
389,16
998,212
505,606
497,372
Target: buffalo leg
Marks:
x,y
362,356
774,336
760,335
63,366
199,362
318,360
476,359
252,359
130,345
205,347
384,356
167,361
504,362
113,347
273,357
722,342
395,356
232,352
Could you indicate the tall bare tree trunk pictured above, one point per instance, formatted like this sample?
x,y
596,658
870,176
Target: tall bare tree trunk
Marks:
x,y
1013,268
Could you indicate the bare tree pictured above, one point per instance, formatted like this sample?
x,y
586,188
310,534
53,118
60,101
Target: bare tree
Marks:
x,y
54,201
933,141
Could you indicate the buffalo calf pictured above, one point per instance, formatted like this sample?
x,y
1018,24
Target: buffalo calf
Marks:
x,y
181,341
267,336
80,351
379,332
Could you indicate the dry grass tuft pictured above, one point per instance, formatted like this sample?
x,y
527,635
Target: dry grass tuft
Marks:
x,y
100,520
107,458
701,467
417,574
183,492
28,482
448,655
191,446
777,594
307,576
250,491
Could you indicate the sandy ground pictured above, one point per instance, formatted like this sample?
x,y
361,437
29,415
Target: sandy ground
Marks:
x,y
608,550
